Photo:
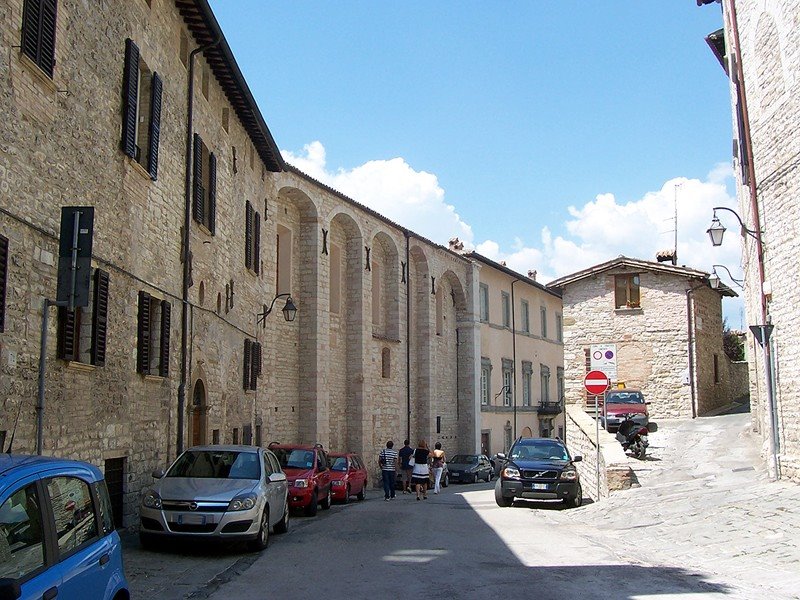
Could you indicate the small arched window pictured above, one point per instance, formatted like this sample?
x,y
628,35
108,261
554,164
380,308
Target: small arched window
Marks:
x,y
386,367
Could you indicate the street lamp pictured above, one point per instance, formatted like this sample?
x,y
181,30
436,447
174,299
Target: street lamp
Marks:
x,y
289,310
713,279
717,229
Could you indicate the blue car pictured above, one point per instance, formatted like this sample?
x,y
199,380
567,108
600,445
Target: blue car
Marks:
x,y
57,537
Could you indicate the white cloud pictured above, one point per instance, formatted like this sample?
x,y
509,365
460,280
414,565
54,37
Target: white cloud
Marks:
x,y
411,198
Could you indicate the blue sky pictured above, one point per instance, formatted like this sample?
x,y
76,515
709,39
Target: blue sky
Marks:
x,y
547,134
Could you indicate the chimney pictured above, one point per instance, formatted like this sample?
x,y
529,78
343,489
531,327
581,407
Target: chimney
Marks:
x,y
456,245
667,256
532,274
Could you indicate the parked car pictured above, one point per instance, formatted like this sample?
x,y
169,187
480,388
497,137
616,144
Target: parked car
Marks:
x,y
470,468
57,536
620,402
348,477
309,476
223,493
539,469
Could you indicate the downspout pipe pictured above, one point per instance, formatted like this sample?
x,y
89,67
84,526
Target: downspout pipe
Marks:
x,y
185,254
514,354
691,349
408,336
765,317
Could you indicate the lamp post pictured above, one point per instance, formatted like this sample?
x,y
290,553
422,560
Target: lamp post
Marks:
x,y
289,310
717,230
713,279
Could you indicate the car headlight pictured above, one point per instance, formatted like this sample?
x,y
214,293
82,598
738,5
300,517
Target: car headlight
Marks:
x,y
151,499
337,483
243,502
511,473
569,475
300,483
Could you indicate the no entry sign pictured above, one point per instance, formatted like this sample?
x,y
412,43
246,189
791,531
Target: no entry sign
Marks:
x,y
596,382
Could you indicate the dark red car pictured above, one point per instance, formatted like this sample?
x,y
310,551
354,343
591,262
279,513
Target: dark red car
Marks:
x,y
624,401
348,476
306,468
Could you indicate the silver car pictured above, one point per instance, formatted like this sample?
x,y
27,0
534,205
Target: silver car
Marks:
x,y
217,492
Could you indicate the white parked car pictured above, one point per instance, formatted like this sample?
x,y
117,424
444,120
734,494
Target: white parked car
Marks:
x,y
235,493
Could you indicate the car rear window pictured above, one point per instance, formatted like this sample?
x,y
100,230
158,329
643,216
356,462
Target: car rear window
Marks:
x,y
216,464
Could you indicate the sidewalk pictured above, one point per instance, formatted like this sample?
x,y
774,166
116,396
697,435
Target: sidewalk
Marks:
x,y
706,502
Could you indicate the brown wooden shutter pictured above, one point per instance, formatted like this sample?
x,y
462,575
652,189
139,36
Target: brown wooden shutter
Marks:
x,y
257,243
155,126
246,363
255,368
130,96
39,33
99,318
143,331
248,235
198,209
166,311
3,280
67,339
212,193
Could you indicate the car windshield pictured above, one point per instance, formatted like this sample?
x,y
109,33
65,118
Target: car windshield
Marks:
x,y
625,398
339,464
464,459
216,464
539,451
295,458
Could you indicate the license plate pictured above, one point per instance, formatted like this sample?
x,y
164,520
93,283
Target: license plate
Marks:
x,y
538,486
191,519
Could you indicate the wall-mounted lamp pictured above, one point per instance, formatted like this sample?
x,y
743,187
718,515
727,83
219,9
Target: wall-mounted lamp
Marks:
x,y
713,279
289,310
717,229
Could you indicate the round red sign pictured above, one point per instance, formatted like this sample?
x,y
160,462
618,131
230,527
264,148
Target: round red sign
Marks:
x,y
596,382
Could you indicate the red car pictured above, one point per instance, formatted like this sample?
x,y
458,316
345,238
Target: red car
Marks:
x,y
306,468
348,476
622,401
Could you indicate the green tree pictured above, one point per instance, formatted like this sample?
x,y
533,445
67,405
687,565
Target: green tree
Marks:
x,y
732,342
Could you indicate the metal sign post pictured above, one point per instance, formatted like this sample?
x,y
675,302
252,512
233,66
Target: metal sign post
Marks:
x,y
596,383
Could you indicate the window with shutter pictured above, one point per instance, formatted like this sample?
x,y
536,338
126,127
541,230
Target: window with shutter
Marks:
x,y
141,114
204,207
3,280
212,193
67,338
163,365
248,235
155,126
99,318
198,210
39,33
255,367
247,363
257,243
143,330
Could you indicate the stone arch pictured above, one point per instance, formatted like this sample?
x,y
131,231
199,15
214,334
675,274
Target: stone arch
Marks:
x,y
385,269
345,383
420,343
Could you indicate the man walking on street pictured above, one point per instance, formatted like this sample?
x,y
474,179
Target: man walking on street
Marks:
x,y
406,452
388,464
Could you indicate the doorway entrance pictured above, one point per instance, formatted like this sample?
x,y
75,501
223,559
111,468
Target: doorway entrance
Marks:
x,y
199,414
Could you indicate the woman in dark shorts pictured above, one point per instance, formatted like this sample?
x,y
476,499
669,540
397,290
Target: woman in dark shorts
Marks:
x,y
420,476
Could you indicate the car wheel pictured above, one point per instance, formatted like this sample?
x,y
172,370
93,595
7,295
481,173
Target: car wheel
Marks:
x,y
363,493
499,498
575,501
475,478
260,543
147,541
326,503
446,480
640,451
311,509
282,526
347,495
489,477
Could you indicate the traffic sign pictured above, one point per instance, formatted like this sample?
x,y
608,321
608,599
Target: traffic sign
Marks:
x,y
596,382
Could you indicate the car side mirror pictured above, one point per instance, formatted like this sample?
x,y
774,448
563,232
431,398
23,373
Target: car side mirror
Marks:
x,y
276,477
158,473
577,458
9,589
501,456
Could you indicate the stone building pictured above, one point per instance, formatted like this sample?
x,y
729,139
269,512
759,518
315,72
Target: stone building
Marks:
x,y
664,323
522,357
759,50
139,110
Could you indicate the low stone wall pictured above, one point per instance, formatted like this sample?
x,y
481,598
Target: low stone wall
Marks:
x,y
614,471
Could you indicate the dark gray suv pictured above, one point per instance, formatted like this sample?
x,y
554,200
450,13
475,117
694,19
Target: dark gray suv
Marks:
x,y
538,469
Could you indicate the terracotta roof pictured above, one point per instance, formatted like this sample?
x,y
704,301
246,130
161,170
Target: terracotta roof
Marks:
x,y
640,265
200,20
512,273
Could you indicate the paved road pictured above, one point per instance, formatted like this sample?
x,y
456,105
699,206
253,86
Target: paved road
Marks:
x,y
695,529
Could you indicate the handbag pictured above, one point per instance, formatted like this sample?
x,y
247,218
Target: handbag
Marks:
x,y
411,462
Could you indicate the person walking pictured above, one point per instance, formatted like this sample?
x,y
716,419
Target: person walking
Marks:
x,y
406,452
438,466
387,460
420,475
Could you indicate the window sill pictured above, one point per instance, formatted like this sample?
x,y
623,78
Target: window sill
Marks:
x,y
383,338
35,70
74,365
136,166
154,378
628,311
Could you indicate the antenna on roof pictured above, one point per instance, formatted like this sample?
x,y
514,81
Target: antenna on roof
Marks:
x,y
14,431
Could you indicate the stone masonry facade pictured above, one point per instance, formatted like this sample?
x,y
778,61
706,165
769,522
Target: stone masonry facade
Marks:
x,y
386,342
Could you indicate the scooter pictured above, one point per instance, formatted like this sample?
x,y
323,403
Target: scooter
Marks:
x,y
633,436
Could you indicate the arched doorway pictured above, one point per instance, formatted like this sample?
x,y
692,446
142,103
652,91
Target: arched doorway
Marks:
x,y
199,414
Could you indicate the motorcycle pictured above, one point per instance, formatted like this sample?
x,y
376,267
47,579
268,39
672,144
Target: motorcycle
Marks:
x,y
632,436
